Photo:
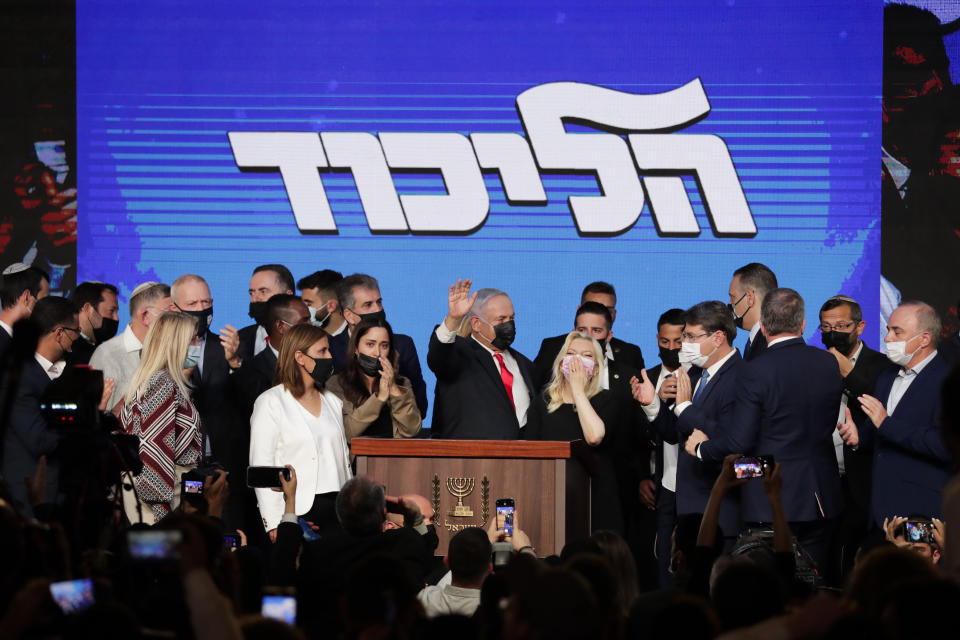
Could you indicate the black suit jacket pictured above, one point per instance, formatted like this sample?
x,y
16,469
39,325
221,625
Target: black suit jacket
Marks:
x,y
5,341
911,462
27,436
254,377
80,352
409,363
624,353
787,407
248,340
215,397
470,402
758,346
712,413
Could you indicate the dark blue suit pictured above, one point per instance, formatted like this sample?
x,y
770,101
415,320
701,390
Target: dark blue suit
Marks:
x,y
911,463
27,436
408,366
712,413
787,407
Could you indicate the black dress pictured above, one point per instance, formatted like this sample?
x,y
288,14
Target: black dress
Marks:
x,y
564,425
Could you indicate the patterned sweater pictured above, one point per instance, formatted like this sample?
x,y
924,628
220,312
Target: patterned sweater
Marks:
x,y
168,426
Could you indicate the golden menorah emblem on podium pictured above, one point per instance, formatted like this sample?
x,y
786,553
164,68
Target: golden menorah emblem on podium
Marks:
x,y
460,488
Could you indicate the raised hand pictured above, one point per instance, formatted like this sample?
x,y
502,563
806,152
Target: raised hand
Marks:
x,y
874,409
578,376
848,430
459,302
387,378
643,392
684,387
668,390
695,438
230,340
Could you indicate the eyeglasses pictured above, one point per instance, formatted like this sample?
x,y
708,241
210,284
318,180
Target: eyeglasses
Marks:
x,y
689,337
840,326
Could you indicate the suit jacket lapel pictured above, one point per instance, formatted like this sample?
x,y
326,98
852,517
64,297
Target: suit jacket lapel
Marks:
x,y
916,386
209,354
527,380
712,381
488,364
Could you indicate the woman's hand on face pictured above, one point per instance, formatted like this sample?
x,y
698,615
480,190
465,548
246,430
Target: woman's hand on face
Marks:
x,y
578,375
387,377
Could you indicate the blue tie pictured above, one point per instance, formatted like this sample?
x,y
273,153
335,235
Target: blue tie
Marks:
x,y
703,385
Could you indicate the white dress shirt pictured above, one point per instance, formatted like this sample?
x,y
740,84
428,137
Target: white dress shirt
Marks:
x,y
449,600
7,328
670,451
753,336
521,395
837,440
118,358
260,342
340,329
53,369
902,382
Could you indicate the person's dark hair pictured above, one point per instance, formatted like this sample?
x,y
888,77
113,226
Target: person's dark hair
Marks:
x,y
12,285
299,337
922,609
595,308
683,616
325,281
618,554
580,545
360,507
379,590
671,316
277,306
909,26
746,593
758,277
782,312
881,571
111,288
856,313
598,287
352,379
713,316
598,573
87,293
468,554
284,277
52,312
346,286
558,605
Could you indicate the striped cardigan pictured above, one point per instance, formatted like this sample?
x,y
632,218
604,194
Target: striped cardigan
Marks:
x,y
168,426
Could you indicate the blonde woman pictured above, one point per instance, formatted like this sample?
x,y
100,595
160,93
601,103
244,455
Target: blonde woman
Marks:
x,y
299,423
158,410
575,406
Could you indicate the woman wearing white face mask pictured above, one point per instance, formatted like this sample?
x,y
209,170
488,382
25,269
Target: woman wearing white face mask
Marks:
x,y
158,397
574,406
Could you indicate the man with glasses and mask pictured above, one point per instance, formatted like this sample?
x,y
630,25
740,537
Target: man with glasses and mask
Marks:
x,y
841,326
484,388
749,285
911,461
359,298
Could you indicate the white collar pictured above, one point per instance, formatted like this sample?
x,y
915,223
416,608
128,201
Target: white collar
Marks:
x,y
52,369
488,349
131,342
340,329
754,331
783,339
275,352
712,369
856,354
6,328
917,368
608,351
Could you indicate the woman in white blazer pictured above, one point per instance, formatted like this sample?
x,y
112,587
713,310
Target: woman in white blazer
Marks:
x,y
299,423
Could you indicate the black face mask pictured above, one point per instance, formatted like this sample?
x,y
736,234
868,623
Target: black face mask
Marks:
x,y
368,364
504,333
106,331
258,311
373,316
670,357
322,370
842,342
738,320
204,317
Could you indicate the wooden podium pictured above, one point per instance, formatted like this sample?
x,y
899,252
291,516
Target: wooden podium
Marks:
x,y
463,479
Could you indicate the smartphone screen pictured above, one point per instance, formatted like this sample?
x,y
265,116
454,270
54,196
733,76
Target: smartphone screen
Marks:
x,y
505,511
280,607
193,487
152,545
748,468
266,477
72,595
231,542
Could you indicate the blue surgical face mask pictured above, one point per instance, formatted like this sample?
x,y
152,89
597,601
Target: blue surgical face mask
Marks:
x,y
193,356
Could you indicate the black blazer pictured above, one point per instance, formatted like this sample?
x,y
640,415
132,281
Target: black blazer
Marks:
x,y
215,397
80,351
27,436
787,407
254,377
248,340
5,341
470,401
911,462
624,353
713,414
409,365
758,346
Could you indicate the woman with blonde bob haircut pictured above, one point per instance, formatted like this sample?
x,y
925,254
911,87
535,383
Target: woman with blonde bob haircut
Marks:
x,y
575,406
158,397
298,422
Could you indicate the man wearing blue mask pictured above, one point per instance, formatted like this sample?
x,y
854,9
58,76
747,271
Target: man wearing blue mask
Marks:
x,y
319,292
911,462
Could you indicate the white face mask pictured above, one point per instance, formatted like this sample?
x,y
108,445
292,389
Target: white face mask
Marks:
x,y
690,355
317,322
897,352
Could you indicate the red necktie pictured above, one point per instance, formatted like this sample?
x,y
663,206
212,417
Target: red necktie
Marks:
x,y
507,378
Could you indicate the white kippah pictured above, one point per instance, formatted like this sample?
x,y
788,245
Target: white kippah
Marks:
x,y
143,287
16,267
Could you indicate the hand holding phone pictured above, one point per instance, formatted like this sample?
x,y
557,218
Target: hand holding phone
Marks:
x,y
279,604
266,477
153,545
505,513
753,466
72,596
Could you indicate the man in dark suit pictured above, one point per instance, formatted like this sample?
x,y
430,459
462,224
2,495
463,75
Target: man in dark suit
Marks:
x,y
787,408
257,375
749,285
841,326
20,288
86,298
911,461
616,350
27,436
226,433
359,298
705,400
267,281
484,388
